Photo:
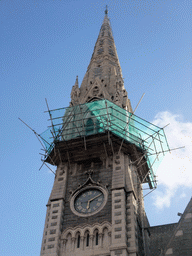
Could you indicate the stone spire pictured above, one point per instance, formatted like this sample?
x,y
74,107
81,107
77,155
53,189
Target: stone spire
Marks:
x,y
103,79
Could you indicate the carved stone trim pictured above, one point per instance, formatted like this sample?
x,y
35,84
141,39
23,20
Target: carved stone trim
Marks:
x,y
84,228
88,183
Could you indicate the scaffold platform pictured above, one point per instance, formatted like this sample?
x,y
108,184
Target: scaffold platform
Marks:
x,y
79,126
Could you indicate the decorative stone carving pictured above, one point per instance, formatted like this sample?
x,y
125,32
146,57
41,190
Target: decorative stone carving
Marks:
x,y
118,98
95,91
119,85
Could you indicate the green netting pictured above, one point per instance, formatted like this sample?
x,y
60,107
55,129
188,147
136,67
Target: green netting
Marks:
x,y
101,116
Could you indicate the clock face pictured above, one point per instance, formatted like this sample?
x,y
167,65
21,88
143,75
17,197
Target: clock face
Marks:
x,y
89,201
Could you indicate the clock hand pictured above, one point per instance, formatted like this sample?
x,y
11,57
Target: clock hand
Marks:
x,y
93,198
88,202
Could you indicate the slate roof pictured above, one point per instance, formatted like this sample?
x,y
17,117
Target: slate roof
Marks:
x,y
173,239
159,237
180,243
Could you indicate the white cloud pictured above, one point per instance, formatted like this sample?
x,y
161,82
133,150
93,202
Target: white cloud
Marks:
x,y
175,171
163,199
183,195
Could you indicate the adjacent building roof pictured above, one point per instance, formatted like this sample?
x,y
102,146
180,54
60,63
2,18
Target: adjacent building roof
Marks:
x,y
173,239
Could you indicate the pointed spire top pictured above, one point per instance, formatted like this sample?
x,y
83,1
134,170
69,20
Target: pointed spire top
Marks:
x,y
103,79
106,10
106,18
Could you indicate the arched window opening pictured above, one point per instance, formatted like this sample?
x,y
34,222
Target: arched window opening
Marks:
x,y
97,238
105,239
87,240
78,241
69,240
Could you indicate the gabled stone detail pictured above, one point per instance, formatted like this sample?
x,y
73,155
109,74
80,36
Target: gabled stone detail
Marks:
x,y
96,91
88,183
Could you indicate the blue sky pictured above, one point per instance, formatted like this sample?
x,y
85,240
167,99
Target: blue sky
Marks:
x,y
43,46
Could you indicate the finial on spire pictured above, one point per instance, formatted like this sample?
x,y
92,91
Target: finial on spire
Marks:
x,y
106,10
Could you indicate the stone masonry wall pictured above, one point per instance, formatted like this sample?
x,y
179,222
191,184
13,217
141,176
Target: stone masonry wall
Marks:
x,y
101,173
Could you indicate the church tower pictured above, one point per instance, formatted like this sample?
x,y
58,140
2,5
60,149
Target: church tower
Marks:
x,y
102,154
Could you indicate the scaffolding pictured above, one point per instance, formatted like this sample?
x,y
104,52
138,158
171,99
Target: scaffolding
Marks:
x,y
104,117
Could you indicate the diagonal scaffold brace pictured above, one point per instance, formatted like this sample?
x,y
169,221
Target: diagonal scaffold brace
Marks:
x,y
38,135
